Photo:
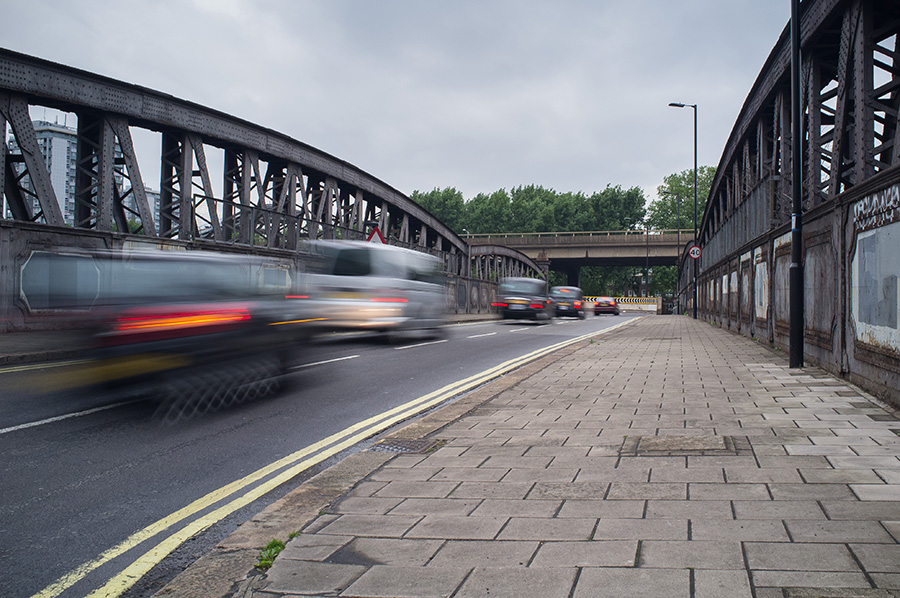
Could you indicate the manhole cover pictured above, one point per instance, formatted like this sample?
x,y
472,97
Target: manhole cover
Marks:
x,y
406,445
684,446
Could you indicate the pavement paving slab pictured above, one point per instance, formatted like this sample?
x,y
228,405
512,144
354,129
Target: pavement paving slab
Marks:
x,y
669,458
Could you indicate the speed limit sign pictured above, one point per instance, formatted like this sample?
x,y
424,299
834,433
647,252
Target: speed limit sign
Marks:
x,y
695,252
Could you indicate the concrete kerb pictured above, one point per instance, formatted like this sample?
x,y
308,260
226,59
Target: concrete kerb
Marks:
x,y
228,570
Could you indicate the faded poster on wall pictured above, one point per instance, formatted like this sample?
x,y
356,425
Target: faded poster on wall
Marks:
x,y
875,271
761,286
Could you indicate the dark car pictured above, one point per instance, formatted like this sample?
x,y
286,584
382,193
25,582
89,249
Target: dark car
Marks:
x,y
605,305
568,301
195,328
524,298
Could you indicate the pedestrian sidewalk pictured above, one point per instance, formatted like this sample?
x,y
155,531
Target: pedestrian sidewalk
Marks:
x,y
668,458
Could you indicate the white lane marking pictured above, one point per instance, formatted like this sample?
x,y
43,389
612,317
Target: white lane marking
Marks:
x,y
519,329
309,365
41,366
420,345
480,335
50,420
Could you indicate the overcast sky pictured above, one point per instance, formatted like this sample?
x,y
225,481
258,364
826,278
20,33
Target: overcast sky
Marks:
x,y
474,94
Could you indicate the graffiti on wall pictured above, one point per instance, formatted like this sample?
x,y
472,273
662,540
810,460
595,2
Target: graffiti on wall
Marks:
x,y
875,270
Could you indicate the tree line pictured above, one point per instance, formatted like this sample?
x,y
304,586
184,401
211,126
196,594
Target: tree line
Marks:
x,y
533,208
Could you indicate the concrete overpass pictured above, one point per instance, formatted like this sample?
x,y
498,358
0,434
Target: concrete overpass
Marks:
x,y
569,251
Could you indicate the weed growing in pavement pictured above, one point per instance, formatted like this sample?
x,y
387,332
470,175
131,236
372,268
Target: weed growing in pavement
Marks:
x,y
267,555
293,535
436,446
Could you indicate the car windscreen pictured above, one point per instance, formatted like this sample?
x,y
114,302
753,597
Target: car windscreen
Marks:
x,y
565,293
341,261
522,287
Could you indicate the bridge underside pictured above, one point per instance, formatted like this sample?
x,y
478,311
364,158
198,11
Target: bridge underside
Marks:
x,y
569,263
571,267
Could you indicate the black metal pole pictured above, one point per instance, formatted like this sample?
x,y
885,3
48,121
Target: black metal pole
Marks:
x,y
796,269
696,241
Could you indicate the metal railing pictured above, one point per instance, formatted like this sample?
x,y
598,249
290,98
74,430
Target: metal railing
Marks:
x,y
581,235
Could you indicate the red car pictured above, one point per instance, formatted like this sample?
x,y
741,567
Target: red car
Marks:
x,y
605,305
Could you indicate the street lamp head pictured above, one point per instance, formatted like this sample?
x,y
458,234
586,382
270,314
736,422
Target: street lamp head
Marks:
x,y
676,105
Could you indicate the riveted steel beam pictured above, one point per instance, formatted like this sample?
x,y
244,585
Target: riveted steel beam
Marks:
x,y
14,109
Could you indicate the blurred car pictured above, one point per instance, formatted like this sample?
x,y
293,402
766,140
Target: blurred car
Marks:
x,y
605,305
194,327
568,301
378,287
524,298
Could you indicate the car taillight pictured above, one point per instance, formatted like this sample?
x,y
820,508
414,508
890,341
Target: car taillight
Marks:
x,y
537,305
499,304
166,322
389,300
577,304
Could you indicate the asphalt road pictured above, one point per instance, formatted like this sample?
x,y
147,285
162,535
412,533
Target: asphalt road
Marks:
x,y
84,472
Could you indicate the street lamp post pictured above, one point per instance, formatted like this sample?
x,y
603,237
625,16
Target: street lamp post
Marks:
x,y
696,265
647,263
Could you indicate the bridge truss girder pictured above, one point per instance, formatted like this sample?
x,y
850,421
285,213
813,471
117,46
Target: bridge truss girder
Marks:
x,y
276,191
850,99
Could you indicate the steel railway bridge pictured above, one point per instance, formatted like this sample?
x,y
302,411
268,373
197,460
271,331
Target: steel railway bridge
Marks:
x,y
276,191
850,131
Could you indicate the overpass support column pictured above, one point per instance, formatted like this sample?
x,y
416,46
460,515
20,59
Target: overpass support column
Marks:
x,y
544,263
573,276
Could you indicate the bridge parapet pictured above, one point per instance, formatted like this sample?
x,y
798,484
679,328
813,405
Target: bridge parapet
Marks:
x,y
568,251
620,237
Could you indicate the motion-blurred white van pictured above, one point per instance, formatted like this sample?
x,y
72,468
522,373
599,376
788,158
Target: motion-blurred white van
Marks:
x,y
372,286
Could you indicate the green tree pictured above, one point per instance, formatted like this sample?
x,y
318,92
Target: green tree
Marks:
x,y
616,209
489,213
447,205
664,212
663,280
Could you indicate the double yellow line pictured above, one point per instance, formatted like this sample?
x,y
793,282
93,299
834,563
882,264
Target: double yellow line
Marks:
x,y
294,463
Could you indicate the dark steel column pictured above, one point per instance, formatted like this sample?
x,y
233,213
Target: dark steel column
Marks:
x,y
796,270
696,240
